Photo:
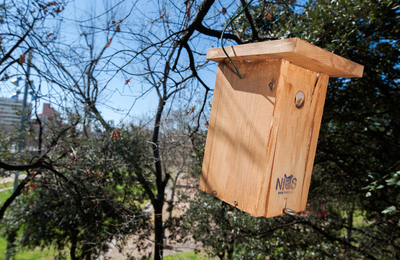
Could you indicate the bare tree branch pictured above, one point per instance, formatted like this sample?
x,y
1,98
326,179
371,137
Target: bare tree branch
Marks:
x,y
251,22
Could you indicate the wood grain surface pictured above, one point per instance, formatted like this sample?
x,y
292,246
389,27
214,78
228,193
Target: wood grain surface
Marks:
x,y
296,51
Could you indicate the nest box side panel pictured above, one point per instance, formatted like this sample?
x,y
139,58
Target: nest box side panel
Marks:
x,y
296,131
319,98
235,158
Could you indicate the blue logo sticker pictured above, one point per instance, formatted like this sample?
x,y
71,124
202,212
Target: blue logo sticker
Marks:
x,y
286,184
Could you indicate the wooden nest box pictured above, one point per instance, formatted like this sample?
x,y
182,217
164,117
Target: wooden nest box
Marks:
x,y
263,129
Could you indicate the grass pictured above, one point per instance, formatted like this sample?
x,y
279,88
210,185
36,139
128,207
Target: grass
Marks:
x,y
189,256
4,195
35,254
6,185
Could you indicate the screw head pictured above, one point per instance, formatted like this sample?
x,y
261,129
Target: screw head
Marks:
x,y
299,99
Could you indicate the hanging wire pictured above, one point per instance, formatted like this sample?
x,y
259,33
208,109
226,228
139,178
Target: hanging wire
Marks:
x,y
236,16
223,32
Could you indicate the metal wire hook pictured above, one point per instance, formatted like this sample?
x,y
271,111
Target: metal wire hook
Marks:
x,y
236,16
223,32
287,211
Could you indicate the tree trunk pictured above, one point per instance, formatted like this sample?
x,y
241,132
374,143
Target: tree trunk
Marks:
x,y
158,230
72,251
350,225
160,183
89,256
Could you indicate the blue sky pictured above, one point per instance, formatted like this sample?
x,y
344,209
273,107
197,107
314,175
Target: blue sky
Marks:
x,y
120,97
117,103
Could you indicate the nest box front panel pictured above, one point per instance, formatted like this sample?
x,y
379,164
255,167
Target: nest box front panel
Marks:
x,y
235,159
300,99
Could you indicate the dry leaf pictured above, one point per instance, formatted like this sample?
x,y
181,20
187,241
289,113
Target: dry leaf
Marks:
x,y
267,16
116,135
163,14
188,12
30,186
59,10
109,42
21,59
191,110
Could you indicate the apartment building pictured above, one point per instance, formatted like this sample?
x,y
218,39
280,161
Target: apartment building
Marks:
x,y
10,112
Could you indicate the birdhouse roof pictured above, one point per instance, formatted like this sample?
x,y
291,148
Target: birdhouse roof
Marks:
x,y
294,50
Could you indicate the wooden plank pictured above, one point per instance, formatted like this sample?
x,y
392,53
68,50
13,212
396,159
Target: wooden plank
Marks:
x,y
293,138
319,98
296,51
208,154
235,159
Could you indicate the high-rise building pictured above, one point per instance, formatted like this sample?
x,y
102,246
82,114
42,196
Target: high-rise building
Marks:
x,y
10,111
48,113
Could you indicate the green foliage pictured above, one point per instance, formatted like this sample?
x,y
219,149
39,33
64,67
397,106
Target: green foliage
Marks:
x,y
388,184
232,234
90,198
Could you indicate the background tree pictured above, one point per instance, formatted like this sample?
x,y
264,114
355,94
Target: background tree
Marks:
x,y
78,73
74,197
20,22
21,25
86,198
353,201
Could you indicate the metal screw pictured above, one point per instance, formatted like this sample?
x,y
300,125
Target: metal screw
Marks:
x,y
299,99
271,85
215,192
236,203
